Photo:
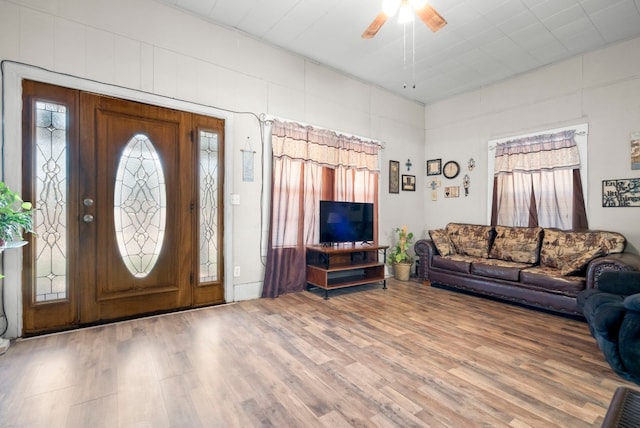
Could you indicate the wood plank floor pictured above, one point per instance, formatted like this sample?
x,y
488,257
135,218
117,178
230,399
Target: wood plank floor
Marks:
x,y
408,356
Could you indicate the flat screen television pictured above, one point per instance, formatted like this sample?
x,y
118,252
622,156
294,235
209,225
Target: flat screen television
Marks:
x,y
342,222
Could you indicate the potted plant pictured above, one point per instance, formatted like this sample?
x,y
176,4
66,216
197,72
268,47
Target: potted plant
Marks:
x,y
398,255
16,215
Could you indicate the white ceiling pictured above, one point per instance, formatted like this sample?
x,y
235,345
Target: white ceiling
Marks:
x,y
485,41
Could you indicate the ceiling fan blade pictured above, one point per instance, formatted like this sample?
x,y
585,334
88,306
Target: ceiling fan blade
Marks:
x,y
375,26
431,18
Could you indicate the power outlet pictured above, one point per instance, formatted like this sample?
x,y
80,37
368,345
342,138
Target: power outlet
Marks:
x,y
236,271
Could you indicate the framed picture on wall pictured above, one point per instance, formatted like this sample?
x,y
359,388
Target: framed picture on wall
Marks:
x,y
434,167
394,176
409,182
452,191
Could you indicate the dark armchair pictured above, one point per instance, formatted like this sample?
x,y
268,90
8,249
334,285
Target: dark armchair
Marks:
x,y
612,311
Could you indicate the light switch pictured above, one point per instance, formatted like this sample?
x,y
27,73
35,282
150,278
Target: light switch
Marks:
x,y
235,199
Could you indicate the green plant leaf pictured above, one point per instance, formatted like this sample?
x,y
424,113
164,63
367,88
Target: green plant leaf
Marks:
x,y
16,216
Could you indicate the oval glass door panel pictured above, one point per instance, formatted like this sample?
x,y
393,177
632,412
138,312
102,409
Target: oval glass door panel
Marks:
x,y
140,207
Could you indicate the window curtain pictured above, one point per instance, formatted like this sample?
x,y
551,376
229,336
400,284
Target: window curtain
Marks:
x,y
537,183
355,185
310,164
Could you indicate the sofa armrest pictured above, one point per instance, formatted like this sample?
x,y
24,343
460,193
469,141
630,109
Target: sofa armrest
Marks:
x,y
611,262
425,249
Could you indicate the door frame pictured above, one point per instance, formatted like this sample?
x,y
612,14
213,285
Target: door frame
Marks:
x,y
13,74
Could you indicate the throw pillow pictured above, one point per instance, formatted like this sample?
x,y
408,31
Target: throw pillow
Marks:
x,y
516,244
559,246
470,239
442,242
571,265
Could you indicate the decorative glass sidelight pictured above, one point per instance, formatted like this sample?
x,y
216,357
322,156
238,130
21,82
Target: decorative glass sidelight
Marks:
x,y
209,204
140,206
50,219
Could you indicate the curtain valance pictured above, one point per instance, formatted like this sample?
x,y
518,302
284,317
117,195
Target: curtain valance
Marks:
x,y
540,152
324,147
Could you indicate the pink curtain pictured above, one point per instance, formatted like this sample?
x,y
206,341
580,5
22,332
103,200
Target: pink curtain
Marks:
x,y
537,183
310,164
355,185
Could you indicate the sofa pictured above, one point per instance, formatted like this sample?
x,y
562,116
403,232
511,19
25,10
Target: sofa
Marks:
x,y
613,313
544,268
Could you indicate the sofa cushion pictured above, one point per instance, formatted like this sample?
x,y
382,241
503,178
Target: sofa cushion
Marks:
x,y
442,242
454,263
470,239
496,268
559,246
517,244
552,280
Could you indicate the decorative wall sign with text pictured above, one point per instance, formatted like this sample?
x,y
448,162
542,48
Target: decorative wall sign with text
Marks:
x,y
621,193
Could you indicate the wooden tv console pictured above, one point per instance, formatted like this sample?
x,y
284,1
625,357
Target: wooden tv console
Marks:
x,y
345,265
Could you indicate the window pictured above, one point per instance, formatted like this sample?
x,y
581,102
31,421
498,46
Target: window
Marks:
x,y
311,164
536,180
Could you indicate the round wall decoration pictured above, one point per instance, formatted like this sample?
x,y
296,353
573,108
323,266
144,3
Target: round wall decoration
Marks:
x,y
451,169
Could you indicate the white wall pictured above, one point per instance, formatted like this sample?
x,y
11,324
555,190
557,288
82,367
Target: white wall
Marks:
x,y
151,51
601,89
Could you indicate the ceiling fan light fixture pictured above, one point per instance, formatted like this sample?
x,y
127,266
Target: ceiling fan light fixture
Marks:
x,y
405,15
408,9
390,7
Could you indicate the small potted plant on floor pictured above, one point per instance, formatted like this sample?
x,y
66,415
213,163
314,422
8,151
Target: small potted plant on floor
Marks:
x,y
398,256
16,216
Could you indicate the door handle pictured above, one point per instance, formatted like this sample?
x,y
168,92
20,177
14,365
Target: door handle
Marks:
x,y
87,218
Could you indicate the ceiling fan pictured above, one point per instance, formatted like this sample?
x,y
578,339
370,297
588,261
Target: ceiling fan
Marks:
x,y
405,10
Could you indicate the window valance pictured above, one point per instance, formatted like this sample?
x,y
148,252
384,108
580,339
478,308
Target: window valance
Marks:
x,y
324,147
540,152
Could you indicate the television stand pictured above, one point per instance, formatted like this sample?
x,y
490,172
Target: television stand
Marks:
x,y
345,265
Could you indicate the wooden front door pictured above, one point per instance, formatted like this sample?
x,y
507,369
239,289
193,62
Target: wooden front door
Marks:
x,y
119,234
135,225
